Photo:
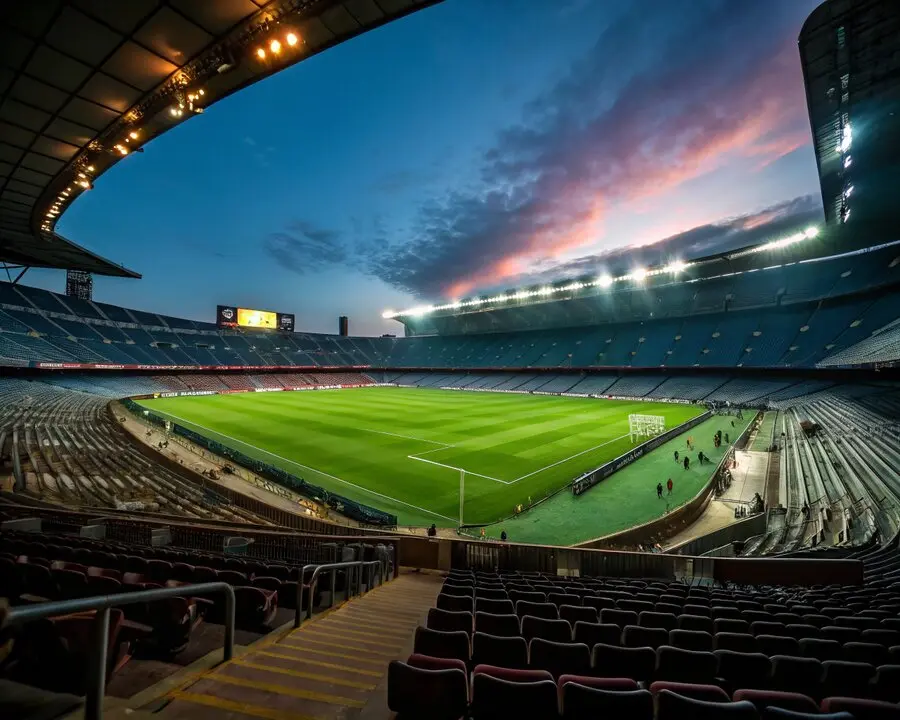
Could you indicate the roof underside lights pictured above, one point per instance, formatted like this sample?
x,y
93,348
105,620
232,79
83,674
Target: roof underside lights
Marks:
x,y
637,276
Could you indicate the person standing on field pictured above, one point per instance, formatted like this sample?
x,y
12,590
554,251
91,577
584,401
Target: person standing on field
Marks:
x,y
669,485
659,490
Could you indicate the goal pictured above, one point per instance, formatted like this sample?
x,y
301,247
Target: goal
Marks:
x,y
644,426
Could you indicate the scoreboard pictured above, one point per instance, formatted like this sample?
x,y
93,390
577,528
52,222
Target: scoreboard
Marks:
x,y
230,316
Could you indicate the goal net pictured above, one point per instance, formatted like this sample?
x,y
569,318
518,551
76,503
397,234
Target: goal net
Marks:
x,y
645,426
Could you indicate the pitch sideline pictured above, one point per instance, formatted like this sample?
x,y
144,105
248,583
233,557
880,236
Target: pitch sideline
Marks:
x,y
307,467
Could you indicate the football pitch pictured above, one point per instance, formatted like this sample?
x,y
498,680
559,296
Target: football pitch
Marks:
x,y
401,450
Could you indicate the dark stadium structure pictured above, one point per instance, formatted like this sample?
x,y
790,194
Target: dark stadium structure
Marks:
x,y
126,570
850,54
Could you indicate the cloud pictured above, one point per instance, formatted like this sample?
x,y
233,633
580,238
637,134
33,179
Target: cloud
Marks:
x,y
303,247
667,95
725,235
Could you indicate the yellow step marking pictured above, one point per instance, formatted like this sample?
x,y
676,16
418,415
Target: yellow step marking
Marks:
x,y
320,663
298,674
289,691
326,634
239,707
307,639
365,619
355,658
350,631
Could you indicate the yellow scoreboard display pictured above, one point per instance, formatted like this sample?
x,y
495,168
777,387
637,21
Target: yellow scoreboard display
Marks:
x,y
257,319
230,316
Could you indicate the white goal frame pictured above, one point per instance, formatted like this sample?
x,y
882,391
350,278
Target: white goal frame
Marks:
x,y
645,426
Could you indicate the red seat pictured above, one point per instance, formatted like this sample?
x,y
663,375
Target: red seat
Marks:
x,y
710,693
254,607
862,709
763,699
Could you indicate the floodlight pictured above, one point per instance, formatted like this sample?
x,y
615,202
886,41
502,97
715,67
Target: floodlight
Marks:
x,y
676,267
291,39
604,281
811,232
545,291
133,135
848,161
639,274
848,192
275,47
260,53
90,168
388,314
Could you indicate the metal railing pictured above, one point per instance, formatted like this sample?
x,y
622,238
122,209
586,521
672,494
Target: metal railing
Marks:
x,y
354,570
96,686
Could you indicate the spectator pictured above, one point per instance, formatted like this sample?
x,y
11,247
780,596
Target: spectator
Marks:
x,y
687,462
432,531
503,535
669,484
659,490
676,456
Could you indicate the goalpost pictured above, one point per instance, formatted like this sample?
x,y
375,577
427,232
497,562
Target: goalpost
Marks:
x,y
645,426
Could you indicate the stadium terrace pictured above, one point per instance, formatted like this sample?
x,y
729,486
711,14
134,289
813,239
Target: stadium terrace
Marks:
x,y
659,492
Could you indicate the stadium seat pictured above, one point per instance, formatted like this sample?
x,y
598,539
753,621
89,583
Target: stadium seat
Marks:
x,y
763,699
511,652
455,603
743,670
583,702
691,640
862,709
573,614
634,636
672,706
547,611
495,697
795,674
611,661
416,693
495,607
665,621
559,658
689,666
738,642
498,625
449,621
536,627
847,679
437,643
593,633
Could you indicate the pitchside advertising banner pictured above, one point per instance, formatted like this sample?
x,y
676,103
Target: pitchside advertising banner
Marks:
x,y
245,368
587,481
231,316
195,393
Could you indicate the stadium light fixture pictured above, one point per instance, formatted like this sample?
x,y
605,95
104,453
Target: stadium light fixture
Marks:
x,y
292,39
260,53
605,281
848,192
676,267
846,138
134,134
639,275
275,47
388,314
848,161
811,231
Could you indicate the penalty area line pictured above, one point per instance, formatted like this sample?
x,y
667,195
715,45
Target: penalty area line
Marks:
x,y
458,469
311,469
566,459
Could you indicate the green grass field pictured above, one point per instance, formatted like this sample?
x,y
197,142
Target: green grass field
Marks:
x,y
401,449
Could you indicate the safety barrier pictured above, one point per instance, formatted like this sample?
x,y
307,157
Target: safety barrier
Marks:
x,y
354,568
93,707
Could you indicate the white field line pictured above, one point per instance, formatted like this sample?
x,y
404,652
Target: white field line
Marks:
x,y
458,469
410,437
312,469
571,457
514,481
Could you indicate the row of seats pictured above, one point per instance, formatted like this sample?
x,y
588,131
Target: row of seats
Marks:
x,y
440,689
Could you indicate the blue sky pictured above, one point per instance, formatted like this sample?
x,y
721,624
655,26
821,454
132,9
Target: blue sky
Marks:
x,y
472,145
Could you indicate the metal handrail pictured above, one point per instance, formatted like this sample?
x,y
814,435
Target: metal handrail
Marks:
x,y
354,568
96,688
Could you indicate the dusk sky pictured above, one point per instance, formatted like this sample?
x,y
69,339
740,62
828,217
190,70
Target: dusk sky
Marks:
x,y
473,145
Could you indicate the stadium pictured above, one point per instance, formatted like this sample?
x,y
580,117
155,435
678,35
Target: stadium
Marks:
x,y
667,489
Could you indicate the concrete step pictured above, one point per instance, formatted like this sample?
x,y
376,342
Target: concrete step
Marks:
x,y
333,667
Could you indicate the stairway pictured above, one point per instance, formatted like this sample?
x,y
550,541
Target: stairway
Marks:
x,y
330,668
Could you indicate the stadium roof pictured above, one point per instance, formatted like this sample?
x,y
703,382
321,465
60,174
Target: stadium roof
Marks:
x,y
84,83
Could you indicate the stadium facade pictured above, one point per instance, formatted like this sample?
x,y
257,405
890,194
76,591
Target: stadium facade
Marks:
x,y
850,53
